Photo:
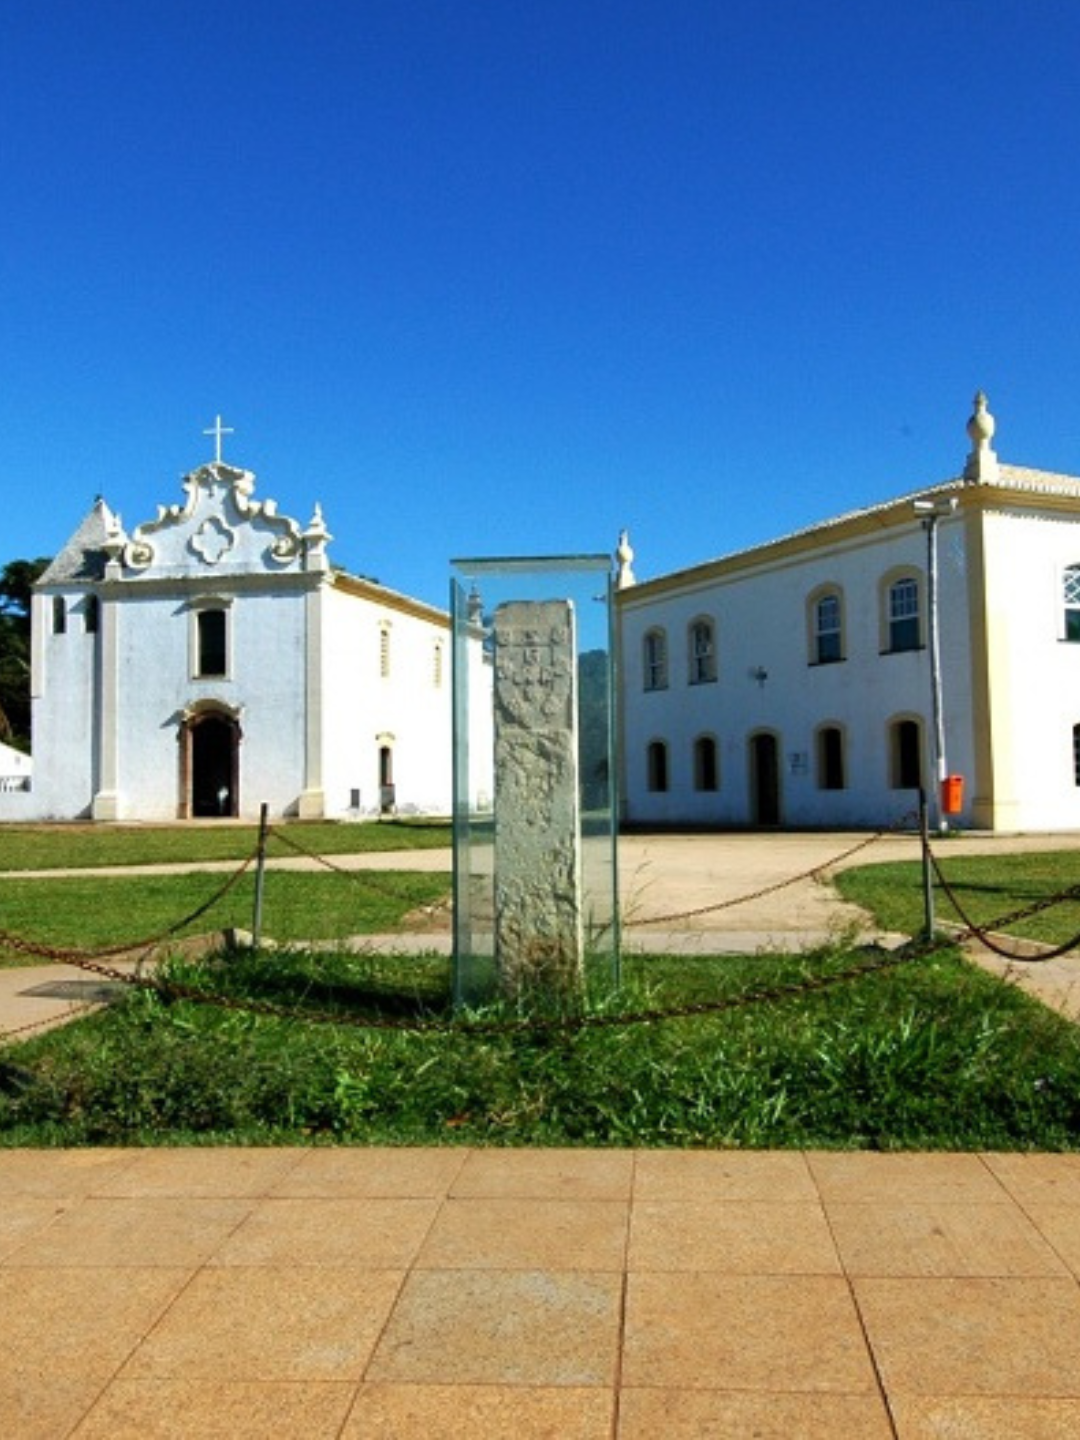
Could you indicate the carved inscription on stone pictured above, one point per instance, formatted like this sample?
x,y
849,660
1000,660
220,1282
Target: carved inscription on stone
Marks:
x,y
538,927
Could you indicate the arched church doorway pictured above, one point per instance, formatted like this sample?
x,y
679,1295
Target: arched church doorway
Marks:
x,y
764,779
209,765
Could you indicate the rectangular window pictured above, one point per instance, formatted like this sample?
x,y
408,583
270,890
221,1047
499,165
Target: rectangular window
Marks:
x,y
904,615
212,654
59,615
828,630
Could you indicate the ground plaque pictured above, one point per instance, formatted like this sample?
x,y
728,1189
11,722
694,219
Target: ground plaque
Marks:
x,y
538,912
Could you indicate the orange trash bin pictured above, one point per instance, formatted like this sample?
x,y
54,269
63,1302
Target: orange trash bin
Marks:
x,y
952,794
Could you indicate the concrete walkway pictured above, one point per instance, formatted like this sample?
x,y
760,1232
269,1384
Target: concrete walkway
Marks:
x,y
580,1295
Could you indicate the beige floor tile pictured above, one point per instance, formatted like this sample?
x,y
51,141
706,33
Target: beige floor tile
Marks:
x,y
198,1171
78,1321
45,1405
262,1324
692,1414
1048,1179
762,1333
752,1238
1060,1225
209,1410
903,1177
942,1239
975,1336
153,1230
470,1412
502,1327
60,1172
722,1175
547,1174
486,1234
408,1173
374,1234
23,1217
920,1417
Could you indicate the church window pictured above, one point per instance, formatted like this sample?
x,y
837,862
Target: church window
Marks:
x,y
92,614
903,600
59,615
702,644
655,659
905,755
706,771
827,628
830,758
212,655
657,759
1071,597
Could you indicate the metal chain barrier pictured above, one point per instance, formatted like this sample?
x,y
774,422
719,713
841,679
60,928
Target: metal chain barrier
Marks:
x,y
973,931
84,958
817,872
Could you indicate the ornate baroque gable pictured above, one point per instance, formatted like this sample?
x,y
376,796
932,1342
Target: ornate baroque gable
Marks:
x,y
220,529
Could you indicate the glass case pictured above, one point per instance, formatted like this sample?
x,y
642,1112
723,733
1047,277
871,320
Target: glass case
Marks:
x,y
535,815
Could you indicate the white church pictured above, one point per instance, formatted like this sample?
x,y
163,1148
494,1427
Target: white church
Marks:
x,y
820,679
213,660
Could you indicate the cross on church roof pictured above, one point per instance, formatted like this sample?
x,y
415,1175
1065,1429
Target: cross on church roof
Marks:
x,y
218,430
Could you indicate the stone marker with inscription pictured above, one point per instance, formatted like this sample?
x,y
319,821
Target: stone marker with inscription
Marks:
x,y
538,910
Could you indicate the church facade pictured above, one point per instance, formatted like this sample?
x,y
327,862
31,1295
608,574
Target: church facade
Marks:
x,y
793,684
213,660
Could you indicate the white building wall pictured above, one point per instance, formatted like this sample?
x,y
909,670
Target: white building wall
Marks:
x,y
1034,670
403,709
64,685
766,682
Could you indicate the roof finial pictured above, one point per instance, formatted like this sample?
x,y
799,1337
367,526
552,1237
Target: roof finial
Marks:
x,y
982,463
624,557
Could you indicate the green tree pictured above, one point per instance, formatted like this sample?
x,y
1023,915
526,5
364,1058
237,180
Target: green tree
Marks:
x,y
16,586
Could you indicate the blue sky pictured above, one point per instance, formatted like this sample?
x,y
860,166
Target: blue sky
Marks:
x,y
490,277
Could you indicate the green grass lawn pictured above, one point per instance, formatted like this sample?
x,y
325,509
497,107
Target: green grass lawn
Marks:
x,y
88,912
930,1053
986,887
49,847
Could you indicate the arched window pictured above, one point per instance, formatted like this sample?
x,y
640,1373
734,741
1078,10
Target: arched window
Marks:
x,y
830,758
706,770
701,646
827,628
657,766
905,755
655,659
903,614
1070,594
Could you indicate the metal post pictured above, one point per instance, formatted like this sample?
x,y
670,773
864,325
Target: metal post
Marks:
x,y
930,524
260,872
929,922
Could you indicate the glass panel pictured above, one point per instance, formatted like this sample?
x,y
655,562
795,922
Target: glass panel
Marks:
x,y
480,589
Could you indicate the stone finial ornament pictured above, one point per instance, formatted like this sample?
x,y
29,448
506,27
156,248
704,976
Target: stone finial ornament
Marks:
x,y
982,463
624,556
